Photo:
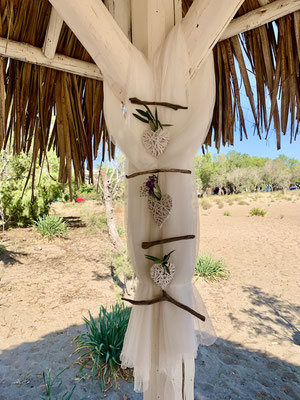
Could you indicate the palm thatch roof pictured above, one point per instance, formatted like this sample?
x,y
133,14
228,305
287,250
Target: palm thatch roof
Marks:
x,y
43,108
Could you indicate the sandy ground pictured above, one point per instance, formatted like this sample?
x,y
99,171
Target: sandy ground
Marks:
x,y
46,288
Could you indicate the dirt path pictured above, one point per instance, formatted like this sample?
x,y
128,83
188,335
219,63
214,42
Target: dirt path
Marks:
x,y
46,288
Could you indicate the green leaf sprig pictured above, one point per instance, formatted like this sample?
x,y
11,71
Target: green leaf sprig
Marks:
x,y
148,118
164,261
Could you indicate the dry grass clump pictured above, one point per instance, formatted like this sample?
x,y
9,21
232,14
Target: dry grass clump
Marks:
x,y
243,203
206,204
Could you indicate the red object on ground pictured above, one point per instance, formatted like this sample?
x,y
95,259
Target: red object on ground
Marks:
x,y
80,199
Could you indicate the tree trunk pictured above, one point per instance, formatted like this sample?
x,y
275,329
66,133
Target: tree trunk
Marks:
x,y
109,213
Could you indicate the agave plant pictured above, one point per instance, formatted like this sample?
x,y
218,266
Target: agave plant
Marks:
x,y
164,261
148,118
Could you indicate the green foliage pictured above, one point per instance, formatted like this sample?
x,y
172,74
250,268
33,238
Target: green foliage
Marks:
x,y
2,249
87,191
258,212
94,220
163,261
102,343
55,384
227,214
18,209
148,118
121,231
208,268
51,226
122,266
237,173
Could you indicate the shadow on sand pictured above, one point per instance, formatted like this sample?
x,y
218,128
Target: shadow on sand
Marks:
x,y
226,370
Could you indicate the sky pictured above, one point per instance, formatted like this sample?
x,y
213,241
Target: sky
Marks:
x,y
262,148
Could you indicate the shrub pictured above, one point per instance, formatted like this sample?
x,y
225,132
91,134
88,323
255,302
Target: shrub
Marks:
x,y
243,203
258,211
103,342
51,226
123,267
206,204
22,209
208,268
227,213
94,220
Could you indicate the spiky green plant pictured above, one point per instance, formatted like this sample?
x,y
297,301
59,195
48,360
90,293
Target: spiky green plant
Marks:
x,y
55,383
258,211
163,261
102,343
148,118
51,226
208,268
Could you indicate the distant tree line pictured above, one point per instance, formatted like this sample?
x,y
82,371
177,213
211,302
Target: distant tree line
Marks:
x,y
236,173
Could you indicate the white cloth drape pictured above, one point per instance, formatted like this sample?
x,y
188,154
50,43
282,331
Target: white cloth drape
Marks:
x,y
161,337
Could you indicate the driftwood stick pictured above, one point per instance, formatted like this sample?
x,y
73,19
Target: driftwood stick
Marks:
x,y
165,297
156,171
147,245
135,100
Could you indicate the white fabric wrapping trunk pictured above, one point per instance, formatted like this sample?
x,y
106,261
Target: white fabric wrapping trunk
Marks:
x,y
161,337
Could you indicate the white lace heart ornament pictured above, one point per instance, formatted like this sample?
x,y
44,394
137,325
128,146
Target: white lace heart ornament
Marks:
x,y
155,143
160,209
160,275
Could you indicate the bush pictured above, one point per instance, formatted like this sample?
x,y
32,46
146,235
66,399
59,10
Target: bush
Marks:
x,y
103,342
208,268
94,220
123,267
206,204
257,211
22,209
227,213
51,226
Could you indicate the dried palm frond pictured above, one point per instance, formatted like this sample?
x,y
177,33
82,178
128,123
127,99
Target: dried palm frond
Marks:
x,y
272,54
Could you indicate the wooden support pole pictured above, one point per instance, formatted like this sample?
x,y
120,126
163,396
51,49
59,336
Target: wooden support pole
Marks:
x,y
52,34
261,16
34,55
203,26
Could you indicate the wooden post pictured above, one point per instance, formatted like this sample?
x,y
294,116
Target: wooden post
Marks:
x,y
152,20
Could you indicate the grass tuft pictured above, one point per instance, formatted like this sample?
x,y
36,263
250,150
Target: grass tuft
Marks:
x,y
258,212
51,226
208,268
102,344
206,204
227,214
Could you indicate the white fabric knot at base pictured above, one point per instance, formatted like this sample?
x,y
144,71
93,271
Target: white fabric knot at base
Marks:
x,y
162,337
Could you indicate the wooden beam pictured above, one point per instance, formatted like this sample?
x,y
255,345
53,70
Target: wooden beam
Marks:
x,y
52,34
121,11
34,55
101,36
261,16
203,26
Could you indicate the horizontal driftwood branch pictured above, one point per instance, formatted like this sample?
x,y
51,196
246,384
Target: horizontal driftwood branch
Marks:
x,y
147,245
135,100
156,171
165,297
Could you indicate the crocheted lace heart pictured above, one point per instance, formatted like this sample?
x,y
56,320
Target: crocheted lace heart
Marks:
x,y
160,209
155,143
160,276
